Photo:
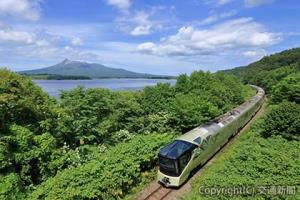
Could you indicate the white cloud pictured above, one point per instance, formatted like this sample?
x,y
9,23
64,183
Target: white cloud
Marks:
x,y
147,47
10,35
25,9
252,3
216,17
36,42
231,35
143,25
145,22
76,41
141,30
42,42
122,5
19,37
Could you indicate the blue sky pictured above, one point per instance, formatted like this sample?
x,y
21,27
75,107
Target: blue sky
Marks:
x,y
158,36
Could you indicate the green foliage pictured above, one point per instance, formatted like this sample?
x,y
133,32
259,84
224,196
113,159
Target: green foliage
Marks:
x,y
181,83
82,112
188,111
270,70
110,176
25,153
204,96
283,119
287,89
97,116
67,157
128,113
158,122
21,101
223,91
267,79
11,187
156,99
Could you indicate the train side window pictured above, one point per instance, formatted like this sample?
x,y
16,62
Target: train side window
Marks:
x,y
183,160
197,140
203,145
208,138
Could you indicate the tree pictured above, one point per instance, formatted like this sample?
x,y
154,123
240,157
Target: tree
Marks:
x,y
156,99
81,113
189,111
22,102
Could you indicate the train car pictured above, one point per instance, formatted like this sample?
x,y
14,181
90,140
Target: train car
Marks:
x,y
194,148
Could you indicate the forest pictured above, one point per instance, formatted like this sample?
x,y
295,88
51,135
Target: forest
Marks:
x,y
267,156
96,143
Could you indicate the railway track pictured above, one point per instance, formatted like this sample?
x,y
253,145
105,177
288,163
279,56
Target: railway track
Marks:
x,y
158,192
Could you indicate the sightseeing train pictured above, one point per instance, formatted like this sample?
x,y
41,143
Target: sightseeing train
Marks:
x,y
178,159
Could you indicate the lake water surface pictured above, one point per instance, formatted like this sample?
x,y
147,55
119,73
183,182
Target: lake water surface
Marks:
x,y
53,87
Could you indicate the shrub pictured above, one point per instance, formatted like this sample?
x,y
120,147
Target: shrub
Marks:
x,y
26,153
11,187
110,176
283,119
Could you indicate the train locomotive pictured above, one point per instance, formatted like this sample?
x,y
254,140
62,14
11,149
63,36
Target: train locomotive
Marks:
x,y
178,159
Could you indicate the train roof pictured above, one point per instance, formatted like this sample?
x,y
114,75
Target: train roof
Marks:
x,y
197,135
175,149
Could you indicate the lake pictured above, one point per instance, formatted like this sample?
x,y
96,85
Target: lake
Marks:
x,y
53,87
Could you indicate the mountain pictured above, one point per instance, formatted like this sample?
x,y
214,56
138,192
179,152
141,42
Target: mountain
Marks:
x,y
92,70
270,69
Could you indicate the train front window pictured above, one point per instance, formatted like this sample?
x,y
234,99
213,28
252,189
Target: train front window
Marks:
x,y
168,166
174,157
167,163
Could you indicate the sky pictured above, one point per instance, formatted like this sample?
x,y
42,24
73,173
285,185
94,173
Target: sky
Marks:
x,y
167,37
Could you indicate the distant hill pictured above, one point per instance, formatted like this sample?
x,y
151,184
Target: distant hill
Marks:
x,y
92,70
270,69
